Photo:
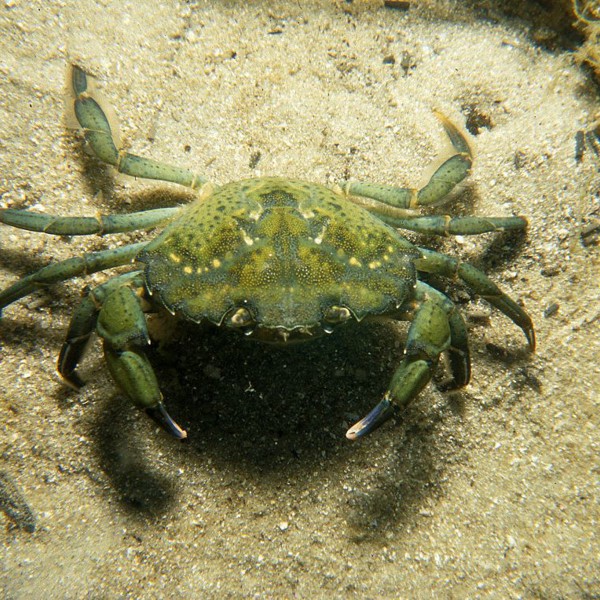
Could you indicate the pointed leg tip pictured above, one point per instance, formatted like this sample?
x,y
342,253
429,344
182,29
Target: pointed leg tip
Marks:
x,y
159,415
451,386
377,417
353,433
181,434
529,332
72,380
439,114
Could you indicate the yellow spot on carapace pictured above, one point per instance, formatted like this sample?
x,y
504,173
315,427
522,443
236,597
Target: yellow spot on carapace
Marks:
x,y
353,261
247,239
175,257
319,238
374,264
187,269
216,263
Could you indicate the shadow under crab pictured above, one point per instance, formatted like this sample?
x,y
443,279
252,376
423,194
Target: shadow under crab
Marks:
x,y
280,260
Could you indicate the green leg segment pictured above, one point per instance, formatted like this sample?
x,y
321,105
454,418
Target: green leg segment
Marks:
x,y
115,311
458,352
83,324
445,178
101,225
436,327
122,326
447,225
106,145
446,266
66,269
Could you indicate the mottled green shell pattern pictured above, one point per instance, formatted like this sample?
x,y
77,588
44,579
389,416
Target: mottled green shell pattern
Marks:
x,y
287,250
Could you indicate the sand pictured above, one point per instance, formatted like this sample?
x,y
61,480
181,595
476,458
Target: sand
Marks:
x,y
487,493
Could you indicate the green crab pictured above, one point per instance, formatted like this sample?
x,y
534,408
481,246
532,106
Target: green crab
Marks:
x,y
277,259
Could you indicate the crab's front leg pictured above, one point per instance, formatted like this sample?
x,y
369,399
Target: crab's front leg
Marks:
x,y
446,177
115,311
102,136
436,327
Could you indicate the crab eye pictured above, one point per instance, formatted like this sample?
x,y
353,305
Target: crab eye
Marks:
x,y
241,318
337,314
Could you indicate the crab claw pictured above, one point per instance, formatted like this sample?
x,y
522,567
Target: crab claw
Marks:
x,y
160,415
377,417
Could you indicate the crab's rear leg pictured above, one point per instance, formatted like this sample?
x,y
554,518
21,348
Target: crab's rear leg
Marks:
x,y
446,266
105,143
114,310
442,182
436,327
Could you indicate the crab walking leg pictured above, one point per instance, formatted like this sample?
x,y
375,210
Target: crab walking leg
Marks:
x,y
447,225
66,269
105,142
101,224
83,324
436,327
446,266
459,355
122,326
445,178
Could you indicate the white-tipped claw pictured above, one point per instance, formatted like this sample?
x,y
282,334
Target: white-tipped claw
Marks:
x,y
159,414
377,417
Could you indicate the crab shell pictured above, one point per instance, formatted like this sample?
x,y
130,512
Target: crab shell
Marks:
x,y
279,259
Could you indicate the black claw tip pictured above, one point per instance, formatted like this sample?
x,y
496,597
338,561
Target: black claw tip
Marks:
x,y
530,335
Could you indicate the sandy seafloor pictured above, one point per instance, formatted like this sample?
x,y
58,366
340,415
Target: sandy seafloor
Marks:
x,y
492,492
